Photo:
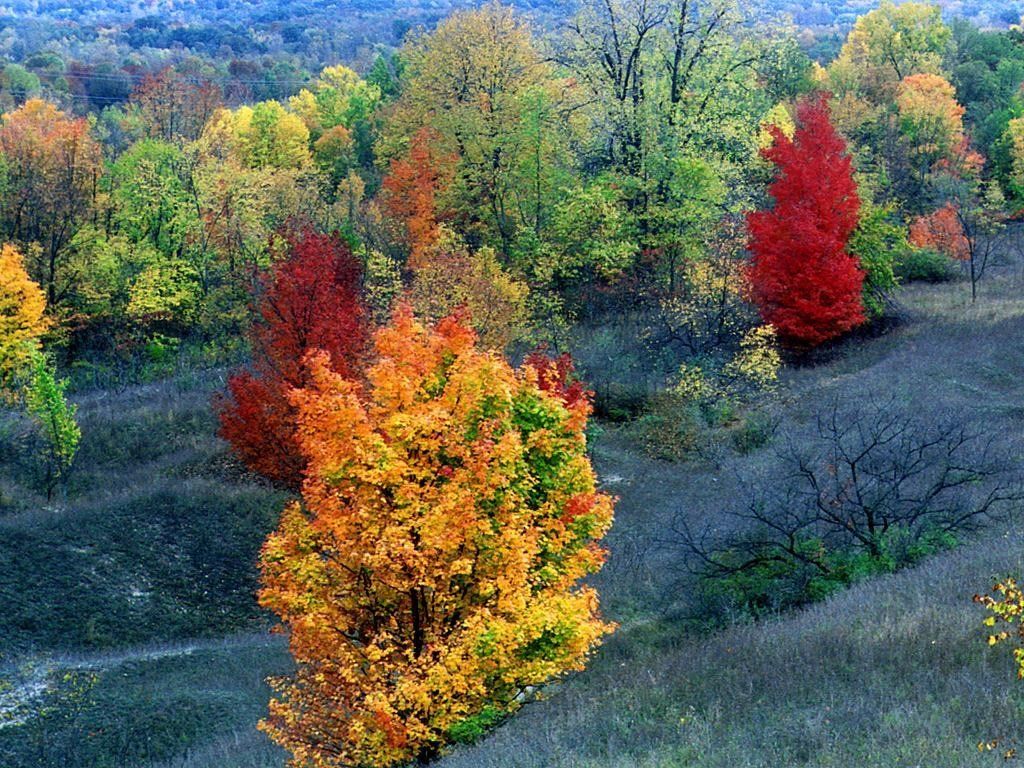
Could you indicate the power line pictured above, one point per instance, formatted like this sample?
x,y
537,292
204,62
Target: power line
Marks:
x,y
181,78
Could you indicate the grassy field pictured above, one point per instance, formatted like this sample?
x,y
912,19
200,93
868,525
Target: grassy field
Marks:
x,y
131,636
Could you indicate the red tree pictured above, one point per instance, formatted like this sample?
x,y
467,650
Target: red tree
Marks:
x,y
309,301
803,279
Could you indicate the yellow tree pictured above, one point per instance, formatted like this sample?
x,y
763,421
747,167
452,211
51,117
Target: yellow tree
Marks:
x,y
482,87
1015,140
430,576
890,43
271,136
22,321
930,118
339,97
250,174
449,276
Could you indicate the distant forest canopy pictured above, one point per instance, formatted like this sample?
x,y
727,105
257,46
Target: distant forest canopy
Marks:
x,y
95,52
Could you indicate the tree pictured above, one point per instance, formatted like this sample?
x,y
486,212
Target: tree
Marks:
x,y
267,136
870,489
19,82
411,188
878,240
450,276
244,185
978,206
55,418
1014,138
930,119
941,231
22,319
310,301
671,98
53,165
480,84
805,282
334,155
148,186
174,107
341,99
711,312
431,574
382,285
892,42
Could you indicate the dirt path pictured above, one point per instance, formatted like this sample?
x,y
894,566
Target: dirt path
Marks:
x,y
25,681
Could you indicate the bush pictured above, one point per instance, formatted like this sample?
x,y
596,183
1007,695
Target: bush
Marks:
x,y
754,431
773,584
619,403
670,428
475,727
924,266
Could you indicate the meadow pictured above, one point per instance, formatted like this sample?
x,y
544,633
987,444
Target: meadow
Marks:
x,y
132,636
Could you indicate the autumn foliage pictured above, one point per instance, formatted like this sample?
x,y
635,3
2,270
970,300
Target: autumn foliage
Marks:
x,y
803,279
556,375
22,321
448,276
51,166
941,231
1005,604
410,191
431,573
310,301
930,115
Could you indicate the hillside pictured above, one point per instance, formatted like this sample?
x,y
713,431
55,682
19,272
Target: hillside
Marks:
x,y
132,636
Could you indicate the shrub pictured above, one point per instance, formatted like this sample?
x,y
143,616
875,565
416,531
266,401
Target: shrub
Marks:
x,y
923,265
55,421
754,431
671,428
620,403
814,570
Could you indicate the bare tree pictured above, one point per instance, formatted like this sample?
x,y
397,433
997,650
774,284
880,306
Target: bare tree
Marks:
x,y
872,480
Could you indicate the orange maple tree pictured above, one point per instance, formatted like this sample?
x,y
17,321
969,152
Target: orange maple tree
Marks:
x,y
941,231
430,576
411,188
22,319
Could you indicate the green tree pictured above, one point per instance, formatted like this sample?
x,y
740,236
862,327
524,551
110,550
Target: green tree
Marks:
x,y
877,241
481,84
55,420
893,42
20,83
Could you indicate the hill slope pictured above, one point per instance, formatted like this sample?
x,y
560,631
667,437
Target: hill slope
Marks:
x,y
133,638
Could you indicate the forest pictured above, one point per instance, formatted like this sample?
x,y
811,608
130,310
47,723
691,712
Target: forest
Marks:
x,y
626,384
